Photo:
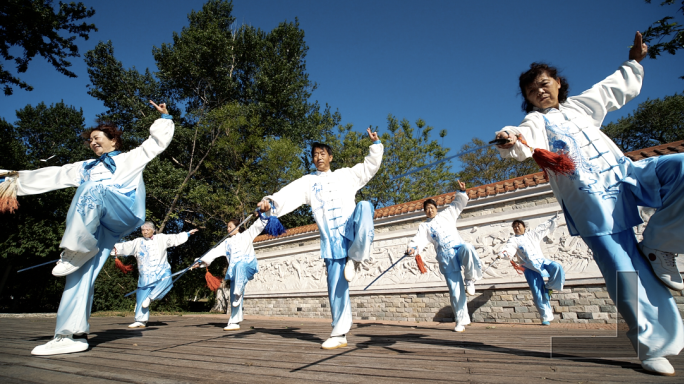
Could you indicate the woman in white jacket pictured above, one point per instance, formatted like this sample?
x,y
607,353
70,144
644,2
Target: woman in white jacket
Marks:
x,y
600,198
453,254
526,246
238,250
108,205
154,279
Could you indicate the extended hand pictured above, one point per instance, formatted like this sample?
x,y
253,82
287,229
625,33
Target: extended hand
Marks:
x,y
264,206
373,135
161,107
461,185
639,49
193,231
511,139
410,251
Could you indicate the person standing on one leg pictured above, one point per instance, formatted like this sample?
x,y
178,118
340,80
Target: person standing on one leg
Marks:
x,y
346,228
526,246
153,266
242,264
600,198
453,254
108,205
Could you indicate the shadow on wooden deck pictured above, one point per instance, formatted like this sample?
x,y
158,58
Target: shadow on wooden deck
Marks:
x,y
175,349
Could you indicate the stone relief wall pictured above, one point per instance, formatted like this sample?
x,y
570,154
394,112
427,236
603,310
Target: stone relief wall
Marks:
x,y
301,271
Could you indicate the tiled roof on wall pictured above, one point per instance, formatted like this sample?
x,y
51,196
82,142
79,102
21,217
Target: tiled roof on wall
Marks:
x,y
484,190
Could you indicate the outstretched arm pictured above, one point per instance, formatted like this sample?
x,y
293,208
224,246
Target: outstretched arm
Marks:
x,y
127,248
289,198
419,241
365,171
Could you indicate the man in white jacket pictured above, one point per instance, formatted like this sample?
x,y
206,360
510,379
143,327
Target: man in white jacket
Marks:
x,y
154,280
346,228
600,198
453,254
526,246
238,250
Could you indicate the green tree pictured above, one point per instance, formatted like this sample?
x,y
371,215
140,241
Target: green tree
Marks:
x,y
38,29
405,148
663,28
485,166
654,122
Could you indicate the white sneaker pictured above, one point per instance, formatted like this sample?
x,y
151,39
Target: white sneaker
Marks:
x,y
71,261
350,270
470,287
146,303
658,365
59,345
335,342
238,300
232,327
459,328
664,266
138,324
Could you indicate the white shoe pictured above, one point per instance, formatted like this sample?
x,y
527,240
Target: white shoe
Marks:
x,y
138,324
146,303
335,342
71,261
658,365
350,270
61,344
459,328
470,287
238,300
664,266
232,327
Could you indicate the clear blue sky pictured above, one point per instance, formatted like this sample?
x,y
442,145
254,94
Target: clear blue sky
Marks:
x,y
453,63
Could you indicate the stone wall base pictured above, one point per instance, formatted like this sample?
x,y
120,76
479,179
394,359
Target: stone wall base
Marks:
x,y
577,304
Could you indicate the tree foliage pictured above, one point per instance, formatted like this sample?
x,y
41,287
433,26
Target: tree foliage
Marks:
x,y
656,34
654,122
406,147
36,27
485,166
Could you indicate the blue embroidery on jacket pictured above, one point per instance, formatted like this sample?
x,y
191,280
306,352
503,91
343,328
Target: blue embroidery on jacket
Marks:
x,y
90,199
561,141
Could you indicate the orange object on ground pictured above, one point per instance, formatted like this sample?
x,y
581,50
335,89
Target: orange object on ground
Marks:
x,y
421,265
213,282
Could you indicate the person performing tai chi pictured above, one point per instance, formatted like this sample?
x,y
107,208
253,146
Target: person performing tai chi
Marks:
x,y
108,205
599,190
346,228
453,254
153,266
526,245
238,250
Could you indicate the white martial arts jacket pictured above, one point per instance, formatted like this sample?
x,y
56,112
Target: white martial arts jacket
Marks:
x,y
150,253
331,196
441,231
591,198
127,179
237,247
527,247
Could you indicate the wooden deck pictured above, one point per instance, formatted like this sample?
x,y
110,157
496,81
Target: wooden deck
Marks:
x,y
176,349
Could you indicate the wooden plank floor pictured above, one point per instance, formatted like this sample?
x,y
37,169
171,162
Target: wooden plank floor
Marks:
x,y
177,349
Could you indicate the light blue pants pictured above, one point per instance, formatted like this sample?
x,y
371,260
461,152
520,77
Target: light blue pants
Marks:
x,y
466,258
156,292
540,294
358,239
665,229
116,219
655,326
239,274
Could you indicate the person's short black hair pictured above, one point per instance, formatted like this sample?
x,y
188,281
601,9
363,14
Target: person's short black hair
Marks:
x,y
429,201
528,77
321,145
520,222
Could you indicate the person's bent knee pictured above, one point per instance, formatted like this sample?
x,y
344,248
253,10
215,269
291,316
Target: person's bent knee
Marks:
x,y
365,205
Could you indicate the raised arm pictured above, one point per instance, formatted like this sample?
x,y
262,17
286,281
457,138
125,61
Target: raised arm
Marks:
x,y
544,229
458,205
364,172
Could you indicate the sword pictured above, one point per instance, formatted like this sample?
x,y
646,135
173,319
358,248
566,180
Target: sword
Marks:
x,y
467,151
39,265
390,267
491,265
